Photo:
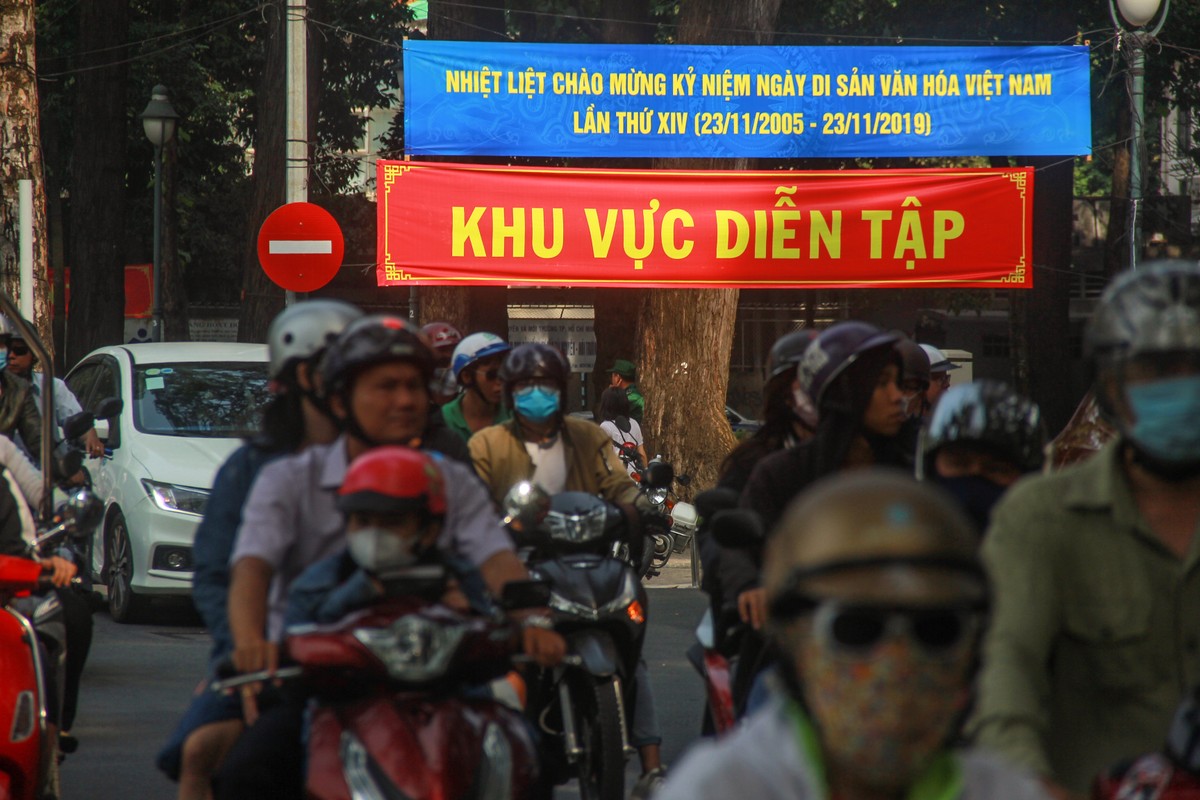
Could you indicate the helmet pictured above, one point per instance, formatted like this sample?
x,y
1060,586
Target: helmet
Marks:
x,y
787,350
938,361
534,360
915,361
835,349
371,340
1155,309
475,347
391,480
989,414
303,330
7,331
441,334
843,534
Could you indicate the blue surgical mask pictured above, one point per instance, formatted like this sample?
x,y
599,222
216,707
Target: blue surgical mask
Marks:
x,y
3,358
536,403
1165,418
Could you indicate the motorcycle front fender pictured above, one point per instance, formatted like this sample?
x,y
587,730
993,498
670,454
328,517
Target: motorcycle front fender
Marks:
x,y
597,650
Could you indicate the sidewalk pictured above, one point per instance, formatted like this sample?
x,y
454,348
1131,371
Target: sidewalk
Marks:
x,y
677,574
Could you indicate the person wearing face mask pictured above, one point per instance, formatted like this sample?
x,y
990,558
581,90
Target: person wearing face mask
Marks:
x,y
561,453
982,438
878,602
19,413
1096,635
476,367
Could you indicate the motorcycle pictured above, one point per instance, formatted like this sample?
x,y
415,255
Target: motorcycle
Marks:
x,y
398,705
31,633
672,530
599,606
1173,774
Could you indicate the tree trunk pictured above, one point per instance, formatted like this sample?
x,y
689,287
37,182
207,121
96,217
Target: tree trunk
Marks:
x,y
475,308
174,288
97,317
262,299
687,335
20,147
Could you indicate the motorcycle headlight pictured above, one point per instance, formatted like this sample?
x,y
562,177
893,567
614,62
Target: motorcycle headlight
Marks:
x,y
412,648
576,529
571,607
170,497
657,496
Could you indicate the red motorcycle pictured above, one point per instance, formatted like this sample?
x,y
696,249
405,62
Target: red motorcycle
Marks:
x,y
28,756
401,706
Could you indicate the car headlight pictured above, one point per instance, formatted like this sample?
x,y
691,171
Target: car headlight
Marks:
x,y
412,648
170,497
576,528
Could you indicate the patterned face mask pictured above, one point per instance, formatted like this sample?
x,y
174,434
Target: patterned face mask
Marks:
x,y
884,713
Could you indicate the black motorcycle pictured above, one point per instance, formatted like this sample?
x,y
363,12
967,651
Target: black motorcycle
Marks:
x,y
599,606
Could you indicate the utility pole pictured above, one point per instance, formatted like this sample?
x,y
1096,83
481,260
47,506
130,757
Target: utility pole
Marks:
x,y
297,107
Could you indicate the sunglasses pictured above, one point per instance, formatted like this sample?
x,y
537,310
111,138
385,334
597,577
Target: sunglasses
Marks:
x,y
18,350
859,630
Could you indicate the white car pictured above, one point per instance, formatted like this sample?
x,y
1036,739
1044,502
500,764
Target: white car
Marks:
x,y
186,407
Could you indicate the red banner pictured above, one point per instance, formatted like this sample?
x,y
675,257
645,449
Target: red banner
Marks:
x,y
464,225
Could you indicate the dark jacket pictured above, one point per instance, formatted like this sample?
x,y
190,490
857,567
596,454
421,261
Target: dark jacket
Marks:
x,y
19,413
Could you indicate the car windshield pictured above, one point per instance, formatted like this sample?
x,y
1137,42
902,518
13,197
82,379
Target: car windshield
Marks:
x,y
199,399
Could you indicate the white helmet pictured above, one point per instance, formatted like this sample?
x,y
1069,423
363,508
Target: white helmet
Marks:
x,y
303,330
475,347
938,362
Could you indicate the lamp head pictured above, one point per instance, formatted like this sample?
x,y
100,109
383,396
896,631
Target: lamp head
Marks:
x,y
158,120
1138,12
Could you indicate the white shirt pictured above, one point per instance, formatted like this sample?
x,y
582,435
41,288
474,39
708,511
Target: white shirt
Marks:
x,y
549,465
620,437
65,404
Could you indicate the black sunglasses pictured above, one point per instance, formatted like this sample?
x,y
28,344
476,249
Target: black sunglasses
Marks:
x,y
18,350
858,630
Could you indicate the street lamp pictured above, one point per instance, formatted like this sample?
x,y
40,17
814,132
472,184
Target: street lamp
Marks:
x,y
158,120
1138,14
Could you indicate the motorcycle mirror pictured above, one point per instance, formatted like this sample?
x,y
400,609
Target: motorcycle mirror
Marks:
x,y
525,506
77,425
85,510
659,475
684,480
109,407
710,501
737,528
517,595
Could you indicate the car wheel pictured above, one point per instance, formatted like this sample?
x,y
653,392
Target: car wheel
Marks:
x,y
123,604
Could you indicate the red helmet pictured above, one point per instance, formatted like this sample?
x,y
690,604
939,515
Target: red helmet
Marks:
x,y
391,480
441,335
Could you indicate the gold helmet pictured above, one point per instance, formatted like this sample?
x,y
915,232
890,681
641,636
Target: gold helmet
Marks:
x,y
872,536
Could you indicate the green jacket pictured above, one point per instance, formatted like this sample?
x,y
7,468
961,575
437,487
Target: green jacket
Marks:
x,y
637,403
1095,635
456,421
502,461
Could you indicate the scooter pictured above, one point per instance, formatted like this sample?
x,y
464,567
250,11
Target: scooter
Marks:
x,y
1172,774
29,754
398,706
599,606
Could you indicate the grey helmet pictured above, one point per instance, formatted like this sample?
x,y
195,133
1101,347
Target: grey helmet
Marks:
x,y
303,330
1155,309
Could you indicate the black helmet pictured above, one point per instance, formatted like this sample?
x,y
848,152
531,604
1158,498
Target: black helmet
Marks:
x,y
989,414
534,360
834,350
787,350
915,362
376,339
1155,309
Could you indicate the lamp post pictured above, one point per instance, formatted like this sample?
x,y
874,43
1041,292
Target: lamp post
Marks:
x,y
413,300
1138,14
158,121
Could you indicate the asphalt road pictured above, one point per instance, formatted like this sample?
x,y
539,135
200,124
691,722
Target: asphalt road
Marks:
x,y
139,678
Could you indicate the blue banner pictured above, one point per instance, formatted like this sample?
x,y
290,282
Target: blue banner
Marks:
x,y
514,99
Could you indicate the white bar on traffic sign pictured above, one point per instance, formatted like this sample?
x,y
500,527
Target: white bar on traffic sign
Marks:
x,y
293,247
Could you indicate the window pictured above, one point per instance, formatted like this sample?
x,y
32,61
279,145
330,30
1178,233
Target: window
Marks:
x,y
199,399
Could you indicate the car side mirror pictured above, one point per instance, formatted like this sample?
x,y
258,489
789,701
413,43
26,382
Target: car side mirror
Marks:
x,y
108,408
77,425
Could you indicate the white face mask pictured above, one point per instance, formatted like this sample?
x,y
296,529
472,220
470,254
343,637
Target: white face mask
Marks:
x,y
380,550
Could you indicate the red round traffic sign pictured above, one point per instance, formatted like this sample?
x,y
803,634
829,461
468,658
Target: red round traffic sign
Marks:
x,y
300,247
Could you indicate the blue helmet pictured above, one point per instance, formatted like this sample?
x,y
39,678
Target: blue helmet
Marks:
x,y
475,347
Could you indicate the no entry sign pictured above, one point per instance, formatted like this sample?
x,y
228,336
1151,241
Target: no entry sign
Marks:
x,y
300,247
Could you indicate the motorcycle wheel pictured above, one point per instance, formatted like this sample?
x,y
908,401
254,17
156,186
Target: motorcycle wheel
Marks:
x,y
598,723
662,550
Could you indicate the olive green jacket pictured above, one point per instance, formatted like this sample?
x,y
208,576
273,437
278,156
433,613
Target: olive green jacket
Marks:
x,y
1095,636
19,413
592,466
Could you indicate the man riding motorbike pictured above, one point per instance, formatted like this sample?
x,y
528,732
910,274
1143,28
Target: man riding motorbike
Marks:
x,y
476,367
375,377
542,444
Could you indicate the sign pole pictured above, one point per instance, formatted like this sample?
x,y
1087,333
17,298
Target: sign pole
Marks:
x,y
297,108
